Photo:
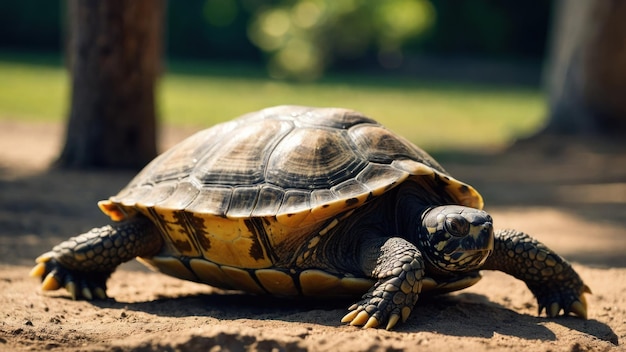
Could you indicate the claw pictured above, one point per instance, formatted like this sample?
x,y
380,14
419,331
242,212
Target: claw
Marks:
x,y
554,310
87,294
44,257
360,319
371,323
393,320
579,309
405,313
50,283
38,270
71,288
350,316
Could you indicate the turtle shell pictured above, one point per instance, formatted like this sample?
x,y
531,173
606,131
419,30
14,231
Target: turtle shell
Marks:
x,y
228,198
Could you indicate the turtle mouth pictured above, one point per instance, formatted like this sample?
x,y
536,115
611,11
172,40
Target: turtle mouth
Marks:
x,y
466,259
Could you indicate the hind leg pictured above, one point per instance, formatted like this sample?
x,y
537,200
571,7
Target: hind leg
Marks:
x,y
82,264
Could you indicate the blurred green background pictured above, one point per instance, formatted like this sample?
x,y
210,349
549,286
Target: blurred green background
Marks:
x,y
445,74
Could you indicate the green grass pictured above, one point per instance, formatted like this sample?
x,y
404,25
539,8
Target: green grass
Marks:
x,y
434,115
33,91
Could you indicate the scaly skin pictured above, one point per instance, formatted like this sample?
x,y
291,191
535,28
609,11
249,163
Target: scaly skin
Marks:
x,y
399,269
82,264
551,279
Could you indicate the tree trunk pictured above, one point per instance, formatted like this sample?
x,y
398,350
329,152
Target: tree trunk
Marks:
x,y
586,76
114,53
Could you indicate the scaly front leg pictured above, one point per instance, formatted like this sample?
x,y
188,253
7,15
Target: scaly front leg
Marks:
x,y
82,264
551,279
398,266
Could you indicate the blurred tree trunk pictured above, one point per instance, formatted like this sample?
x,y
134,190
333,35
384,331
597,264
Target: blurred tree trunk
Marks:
x,y
586,73
114,54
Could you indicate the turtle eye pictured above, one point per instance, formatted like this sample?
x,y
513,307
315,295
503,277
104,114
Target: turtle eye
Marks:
x,y
457,226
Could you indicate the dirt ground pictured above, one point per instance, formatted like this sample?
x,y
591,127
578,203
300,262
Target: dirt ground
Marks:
x,y
569,194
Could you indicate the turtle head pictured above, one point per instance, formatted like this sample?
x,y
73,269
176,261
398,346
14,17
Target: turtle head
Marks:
x,y
455,238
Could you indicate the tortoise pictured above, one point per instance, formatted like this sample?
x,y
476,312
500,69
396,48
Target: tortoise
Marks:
x,y
302,201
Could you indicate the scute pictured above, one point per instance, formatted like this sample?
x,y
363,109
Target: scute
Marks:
x,y
170,266
277,282
211,200
379,177
383,146
184,193
240,157
241,280
243,201
179,161
313,159
325,117
295,201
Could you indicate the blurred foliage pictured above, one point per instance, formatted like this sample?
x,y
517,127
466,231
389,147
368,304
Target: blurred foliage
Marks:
x,y
304,38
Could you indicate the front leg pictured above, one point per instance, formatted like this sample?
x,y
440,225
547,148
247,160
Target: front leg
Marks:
x,y
399,268
551,279
82,264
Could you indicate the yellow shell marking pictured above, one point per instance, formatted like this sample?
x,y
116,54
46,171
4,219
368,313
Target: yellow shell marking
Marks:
x,y
276,282
317,282
209,273
221,240
178,236
357,286
327,210
114,211
293,219
231,243
169,266
241,279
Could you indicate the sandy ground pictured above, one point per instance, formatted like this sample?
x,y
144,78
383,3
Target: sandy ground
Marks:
x,y
569,194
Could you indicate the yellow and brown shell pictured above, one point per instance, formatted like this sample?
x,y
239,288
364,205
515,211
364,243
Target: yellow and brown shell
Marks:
x,y
228,198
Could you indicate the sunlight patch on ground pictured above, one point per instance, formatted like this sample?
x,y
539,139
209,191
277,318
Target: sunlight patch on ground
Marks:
x,y
593,193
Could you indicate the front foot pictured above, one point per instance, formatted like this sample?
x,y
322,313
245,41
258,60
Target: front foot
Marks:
x,y
80,285
553,281
387,302
554,297
400,271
